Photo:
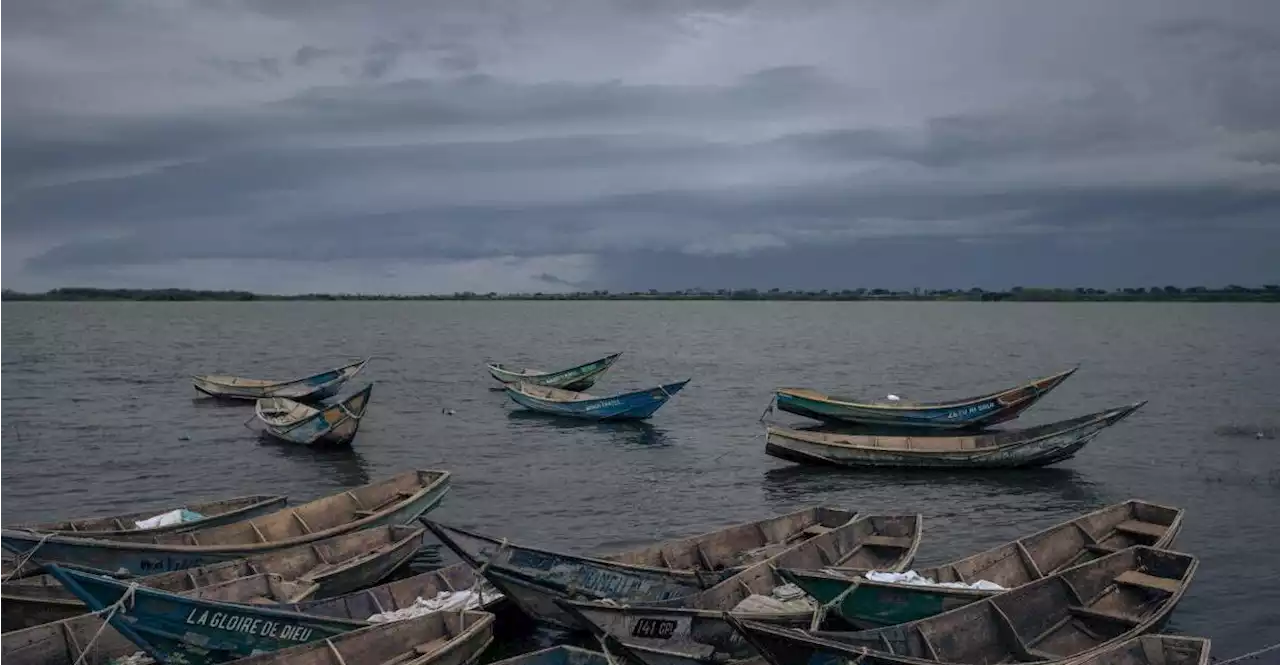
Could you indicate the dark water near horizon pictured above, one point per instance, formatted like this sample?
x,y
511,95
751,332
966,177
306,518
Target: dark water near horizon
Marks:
x,y
99,418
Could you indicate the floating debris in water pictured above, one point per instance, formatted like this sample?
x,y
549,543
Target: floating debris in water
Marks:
x,y
1254,431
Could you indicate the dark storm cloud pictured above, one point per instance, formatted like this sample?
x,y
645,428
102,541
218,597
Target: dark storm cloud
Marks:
x,y
498,138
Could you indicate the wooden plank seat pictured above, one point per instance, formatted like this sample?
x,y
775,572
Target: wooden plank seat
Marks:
x,y
1142,580
1089,613
1140,528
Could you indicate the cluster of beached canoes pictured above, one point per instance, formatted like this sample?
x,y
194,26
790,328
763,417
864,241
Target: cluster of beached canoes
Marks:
x,y
258,582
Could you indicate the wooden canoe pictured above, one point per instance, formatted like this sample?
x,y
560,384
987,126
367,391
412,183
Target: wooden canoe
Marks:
x,y
458,580
64,642
306,389
979,411
533,579
561,655
439,638
1059,618
336,566
575,378
223,511
866,603
1030,447
332,422
1153,650
399,499
693,628
636,405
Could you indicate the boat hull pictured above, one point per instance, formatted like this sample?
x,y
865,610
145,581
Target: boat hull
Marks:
x,y
194,631
332,425
307,389
972,412
1033,447
575,378
128,558
239,508
637,405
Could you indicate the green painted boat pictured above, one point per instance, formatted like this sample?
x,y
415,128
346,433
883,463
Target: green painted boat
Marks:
x,y
867,603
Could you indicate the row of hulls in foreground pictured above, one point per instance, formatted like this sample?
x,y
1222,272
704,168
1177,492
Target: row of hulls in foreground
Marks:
x,y
685,600
559,393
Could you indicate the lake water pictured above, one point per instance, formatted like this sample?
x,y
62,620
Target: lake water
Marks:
x,y
99,417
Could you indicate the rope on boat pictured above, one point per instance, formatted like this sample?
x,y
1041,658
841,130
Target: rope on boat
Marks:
x,y
769,408
110,611
26,556
1251,654
604,646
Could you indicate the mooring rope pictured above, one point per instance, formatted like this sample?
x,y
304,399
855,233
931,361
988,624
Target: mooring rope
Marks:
x,y
1251,654
26,556
106,620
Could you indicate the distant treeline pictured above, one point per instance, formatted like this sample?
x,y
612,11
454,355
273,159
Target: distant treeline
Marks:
x,y
1232,293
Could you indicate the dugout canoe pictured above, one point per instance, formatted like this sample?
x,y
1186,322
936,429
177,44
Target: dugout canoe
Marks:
x,y
306,389
333,422
693,629
213,513
1153,650
533,579
580,377
636,405
400,499
1060,618
970,412
1031,447
866,603
336,566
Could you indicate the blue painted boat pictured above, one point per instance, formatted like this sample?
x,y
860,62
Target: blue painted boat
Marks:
x,y
627,406
438,638
575,378
333,422
400,499
307,389
561,655
172,628
970,412
535,579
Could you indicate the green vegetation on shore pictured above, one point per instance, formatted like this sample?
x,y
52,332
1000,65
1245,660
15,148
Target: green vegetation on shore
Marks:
x,y
1232,293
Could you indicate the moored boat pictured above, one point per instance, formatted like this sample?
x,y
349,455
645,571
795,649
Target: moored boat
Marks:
x,y
333,422
336,566
81,640
533,579
1065,617
979,411
693,629
452,588
186,517
636,405
439,638
1034,446
1153,650
399,499
580,377
868,600
308,388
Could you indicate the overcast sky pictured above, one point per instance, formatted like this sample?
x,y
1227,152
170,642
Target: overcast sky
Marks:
x,y
418,146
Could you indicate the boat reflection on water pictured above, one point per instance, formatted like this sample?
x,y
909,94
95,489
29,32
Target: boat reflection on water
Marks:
x,y
341,464
632,432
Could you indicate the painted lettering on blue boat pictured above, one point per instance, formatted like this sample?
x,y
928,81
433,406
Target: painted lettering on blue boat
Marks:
x,y
969,411
239,623
536,560
168,564
603,404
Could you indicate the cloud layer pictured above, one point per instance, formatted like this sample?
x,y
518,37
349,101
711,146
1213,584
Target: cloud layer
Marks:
x,y
406,147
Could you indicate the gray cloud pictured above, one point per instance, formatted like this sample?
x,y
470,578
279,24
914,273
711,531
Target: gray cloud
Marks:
x,y
559,148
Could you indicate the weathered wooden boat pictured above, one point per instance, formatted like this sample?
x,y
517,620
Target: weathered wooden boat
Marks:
x,y
439,638
452,588
193,516
82,640
636,405
535,578
868,603
979,411
308,388
561,655
333,422
1064,617
335,566
1030,447
196,630
692,629
575,378
1153,650
400,499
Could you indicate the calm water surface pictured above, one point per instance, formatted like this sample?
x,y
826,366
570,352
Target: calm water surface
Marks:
x,y
98,417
